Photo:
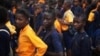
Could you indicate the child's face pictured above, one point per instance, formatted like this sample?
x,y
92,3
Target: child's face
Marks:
x,y
20,20
78,24
76,2
47,21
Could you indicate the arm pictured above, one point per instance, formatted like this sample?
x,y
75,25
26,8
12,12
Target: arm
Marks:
x,y
38,43
91,17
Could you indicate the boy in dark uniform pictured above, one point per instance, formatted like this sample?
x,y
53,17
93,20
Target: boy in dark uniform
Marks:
x,y
50,36
81,43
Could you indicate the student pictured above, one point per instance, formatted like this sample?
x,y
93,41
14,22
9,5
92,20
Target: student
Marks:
x,y
67,17
4,33
29,44
37,17
93,20
50,36
81,43
57,22
97,42
96,38
76,9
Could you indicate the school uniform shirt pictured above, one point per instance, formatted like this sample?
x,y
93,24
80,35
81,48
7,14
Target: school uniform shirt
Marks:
x,y
81,45
54,40
38,22
68,17
29,42
97,37
57,25
77,10
4,41
11,27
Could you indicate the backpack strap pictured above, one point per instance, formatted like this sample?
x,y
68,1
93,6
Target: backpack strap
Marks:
x,y
4,30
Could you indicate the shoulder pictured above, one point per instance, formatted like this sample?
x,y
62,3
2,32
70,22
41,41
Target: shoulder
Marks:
x,y
97,32
28,31
55,33
4,32
86,36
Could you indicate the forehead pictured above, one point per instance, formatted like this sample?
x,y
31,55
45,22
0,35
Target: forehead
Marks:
x,y
19,15
47,15
78,19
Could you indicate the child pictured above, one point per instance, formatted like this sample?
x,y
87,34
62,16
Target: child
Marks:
x,y
37,16
97,42
76,9
4,33
29,44
97,34
50,36
81,44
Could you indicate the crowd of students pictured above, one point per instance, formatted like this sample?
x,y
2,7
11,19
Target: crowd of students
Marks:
x,y
50,28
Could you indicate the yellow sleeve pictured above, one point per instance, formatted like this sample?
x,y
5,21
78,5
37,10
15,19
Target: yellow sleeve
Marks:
x,y
57,26
91,17
11,27
69,17
38,43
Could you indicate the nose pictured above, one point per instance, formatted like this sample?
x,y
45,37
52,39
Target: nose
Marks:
x,y
17,21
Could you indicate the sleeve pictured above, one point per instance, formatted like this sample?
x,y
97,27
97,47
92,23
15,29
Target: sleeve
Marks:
x,y
85,47
38,43
91,17
57,42
69,17
57,26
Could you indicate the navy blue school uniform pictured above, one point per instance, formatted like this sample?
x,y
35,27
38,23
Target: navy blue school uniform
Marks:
x,y
11,17
77,10
53,41
67,37
96,42
38,22
81,45
97,37
4,42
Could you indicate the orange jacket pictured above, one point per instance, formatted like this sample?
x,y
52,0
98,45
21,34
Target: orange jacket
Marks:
x,y
29,44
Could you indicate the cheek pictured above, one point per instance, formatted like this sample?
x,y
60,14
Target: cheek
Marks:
x,y
76,25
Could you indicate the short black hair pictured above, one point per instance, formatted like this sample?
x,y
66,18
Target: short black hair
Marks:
x,y
82,17
24,12
3,15
58,14
68,4
50,14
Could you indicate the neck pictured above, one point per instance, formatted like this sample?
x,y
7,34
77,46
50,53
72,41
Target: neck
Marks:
x,y
81,30
48,28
